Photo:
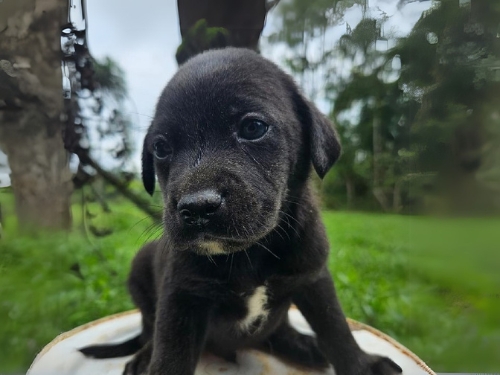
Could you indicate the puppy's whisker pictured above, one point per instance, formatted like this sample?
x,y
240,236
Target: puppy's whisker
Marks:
x,y
287,222
246,231
297,203
294,198
278,226
251,157
140,221
291,227
278,233
291,217
151,237
155,224
235,227
265,175
147,234
248,257
141,114
151,227
230,266
152,231
266,248
211,259
155,205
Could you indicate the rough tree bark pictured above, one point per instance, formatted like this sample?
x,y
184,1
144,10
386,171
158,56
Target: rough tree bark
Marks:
x,y
238,23
31,107
378,169
350,189
244,19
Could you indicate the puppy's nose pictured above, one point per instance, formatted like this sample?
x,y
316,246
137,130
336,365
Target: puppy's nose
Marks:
x,y
196,208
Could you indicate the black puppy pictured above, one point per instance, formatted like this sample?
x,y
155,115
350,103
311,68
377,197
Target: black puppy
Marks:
x,y
232,143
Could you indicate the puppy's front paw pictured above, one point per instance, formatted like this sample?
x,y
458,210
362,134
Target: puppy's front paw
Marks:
x,y
378,365
139,364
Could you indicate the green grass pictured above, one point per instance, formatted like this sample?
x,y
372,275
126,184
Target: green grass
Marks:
x,y
51,283
433,284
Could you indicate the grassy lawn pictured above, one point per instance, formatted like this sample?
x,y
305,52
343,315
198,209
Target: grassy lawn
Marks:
x,y
433,284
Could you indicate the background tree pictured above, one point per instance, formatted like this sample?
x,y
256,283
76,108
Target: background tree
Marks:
x,y
94,96
364,88
379,134
349,74
304,27
107,125
450,64
417,119
30,111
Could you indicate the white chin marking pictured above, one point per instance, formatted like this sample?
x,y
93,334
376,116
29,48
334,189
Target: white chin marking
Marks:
x,y
212,247
256,305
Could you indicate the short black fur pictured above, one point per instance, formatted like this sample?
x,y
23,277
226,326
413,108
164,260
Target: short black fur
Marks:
x,y
223,276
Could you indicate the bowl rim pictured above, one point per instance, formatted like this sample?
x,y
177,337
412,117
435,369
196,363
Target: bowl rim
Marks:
x,y
353,325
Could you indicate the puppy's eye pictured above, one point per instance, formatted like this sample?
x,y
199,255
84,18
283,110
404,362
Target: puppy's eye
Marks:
x,y
252,129
161,149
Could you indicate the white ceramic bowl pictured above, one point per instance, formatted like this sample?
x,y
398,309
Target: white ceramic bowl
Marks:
x,y
60,357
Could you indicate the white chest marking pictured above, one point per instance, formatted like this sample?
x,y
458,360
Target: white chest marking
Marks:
x,y
256,305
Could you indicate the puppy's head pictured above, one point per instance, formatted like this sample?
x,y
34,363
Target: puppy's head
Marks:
x,y
232,140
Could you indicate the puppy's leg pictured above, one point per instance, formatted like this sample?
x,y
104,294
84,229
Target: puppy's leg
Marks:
x,y
139,364
180,332
288,344
319,305
142,288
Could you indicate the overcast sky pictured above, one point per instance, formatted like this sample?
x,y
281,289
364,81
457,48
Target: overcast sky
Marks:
x,y
142,36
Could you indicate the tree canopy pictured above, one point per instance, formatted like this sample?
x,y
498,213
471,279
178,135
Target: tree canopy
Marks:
x,y
417,119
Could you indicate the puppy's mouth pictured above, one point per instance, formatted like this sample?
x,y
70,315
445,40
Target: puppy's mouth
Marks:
x,y
207,244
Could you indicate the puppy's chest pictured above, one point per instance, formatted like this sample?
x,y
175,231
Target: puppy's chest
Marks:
x,y
246,310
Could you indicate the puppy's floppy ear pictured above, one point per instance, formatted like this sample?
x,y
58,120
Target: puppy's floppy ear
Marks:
x,y
324,142
148,170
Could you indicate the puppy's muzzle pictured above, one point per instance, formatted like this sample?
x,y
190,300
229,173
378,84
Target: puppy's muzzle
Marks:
x,y
197,209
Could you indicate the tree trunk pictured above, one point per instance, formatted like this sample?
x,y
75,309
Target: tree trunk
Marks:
x,y
349,185
244,19
396,198
378,172
242,22
31,106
